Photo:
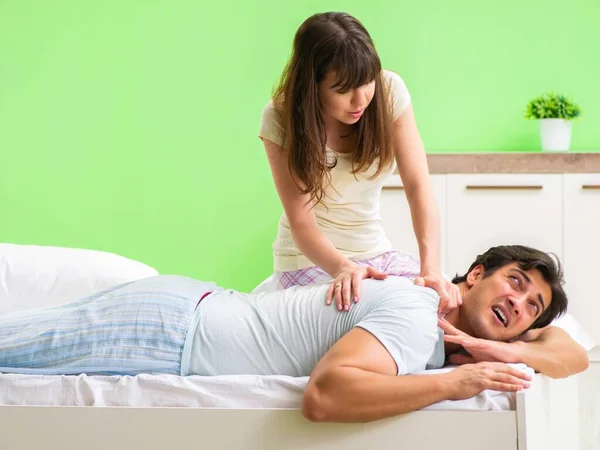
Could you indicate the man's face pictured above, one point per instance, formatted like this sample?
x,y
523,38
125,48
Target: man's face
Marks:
x,y
505,304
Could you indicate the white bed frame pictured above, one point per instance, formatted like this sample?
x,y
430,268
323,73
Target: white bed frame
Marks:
x,y
545,419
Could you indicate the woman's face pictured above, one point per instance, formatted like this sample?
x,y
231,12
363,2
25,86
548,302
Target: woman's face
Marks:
x,y
346,107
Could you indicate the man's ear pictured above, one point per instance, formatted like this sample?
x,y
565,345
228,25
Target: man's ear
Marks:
x,y
475,275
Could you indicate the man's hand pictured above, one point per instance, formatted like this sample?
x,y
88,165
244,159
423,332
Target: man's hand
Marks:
x,y
450,297
479,349
469,380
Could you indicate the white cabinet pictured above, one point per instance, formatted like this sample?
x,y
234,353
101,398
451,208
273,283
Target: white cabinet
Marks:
x,y
558,213
397,221
582,249
486,210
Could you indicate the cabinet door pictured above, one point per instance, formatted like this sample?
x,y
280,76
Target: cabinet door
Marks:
x,y
397,222
498,209
582,249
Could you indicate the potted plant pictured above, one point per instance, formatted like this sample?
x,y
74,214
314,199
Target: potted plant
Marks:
x,y
555,113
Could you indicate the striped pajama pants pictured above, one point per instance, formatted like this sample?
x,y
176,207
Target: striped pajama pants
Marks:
x,y
138,327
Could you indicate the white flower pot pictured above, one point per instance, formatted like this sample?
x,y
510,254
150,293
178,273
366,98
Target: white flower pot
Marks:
x,y
555,134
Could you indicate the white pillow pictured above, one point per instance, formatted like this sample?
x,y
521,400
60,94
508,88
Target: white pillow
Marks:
x,y
32,276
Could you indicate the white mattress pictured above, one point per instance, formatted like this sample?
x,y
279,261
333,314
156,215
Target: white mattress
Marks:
x,y
239,391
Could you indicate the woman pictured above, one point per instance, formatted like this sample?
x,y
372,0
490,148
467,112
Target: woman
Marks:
x,y
336,128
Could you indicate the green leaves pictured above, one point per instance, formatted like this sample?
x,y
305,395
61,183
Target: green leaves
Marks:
x,y
552,106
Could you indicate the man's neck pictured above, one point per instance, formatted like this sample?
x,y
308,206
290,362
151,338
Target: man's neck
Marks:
x,y
454,319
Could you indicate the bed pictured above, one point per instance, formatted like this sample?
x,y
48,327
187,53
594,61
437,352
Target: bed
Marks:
x,y
154,412
257,412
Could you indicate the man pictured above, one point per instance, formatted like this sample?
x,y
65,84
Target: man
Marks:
x,y
158,325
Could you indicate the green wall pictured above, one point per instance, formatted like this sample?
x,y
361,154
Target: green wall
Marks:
x,y
130,126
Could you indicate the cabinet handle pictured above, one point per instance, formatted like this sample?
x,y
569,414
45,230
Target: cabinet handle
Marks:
x,y
394,188
590,186
504,187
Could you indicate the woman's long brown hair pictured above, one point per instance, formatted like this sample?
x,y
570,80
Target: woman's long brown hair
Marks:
x,y
335,42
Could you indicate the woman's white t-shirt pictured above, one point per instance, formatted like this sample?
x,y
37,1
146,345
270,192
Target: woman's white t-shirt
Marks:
x,y
348,214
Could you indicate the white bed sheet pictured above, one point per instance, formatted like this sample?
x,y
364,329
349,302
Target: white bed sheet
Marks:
x,y
239,391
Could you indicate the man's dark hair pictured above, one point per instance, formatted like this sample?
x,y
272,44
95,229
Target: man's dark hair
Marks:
x,y
527,258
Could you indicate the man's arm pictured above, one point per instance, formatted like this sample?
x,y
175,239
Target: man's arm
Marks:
x,y
356,382
549,350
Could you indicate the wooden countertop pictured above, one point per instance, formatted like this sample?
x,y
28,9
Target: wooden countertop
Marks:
x,y
510,162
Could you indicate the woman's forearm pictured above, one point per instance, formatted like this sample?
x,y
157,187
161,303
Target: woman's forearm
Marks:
x,y
313,244
426,225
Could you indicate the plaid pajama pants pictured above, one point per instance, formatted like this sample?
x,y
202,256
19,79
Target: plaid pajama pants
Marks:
x,y
393,263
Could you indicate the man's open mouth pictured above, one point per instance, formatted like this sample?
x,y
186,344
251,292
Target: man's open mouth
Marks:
x,y
501,315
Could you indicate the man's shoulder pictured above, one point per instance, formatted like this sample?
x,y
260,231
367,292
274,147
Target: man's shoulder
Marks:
x,y
397,289
391,282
